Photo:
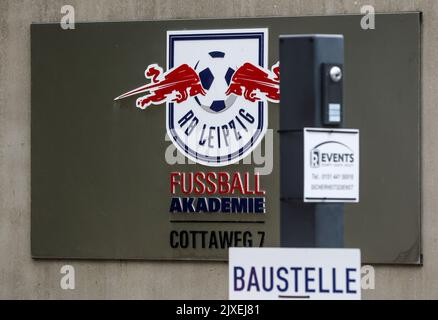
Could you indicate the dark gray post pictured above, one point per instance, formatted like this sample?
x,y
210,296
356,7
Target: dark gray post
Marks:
x,y
311,69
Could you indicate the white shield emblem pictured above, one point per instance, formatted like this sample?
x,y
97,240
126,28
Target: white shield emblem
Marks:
x,y
220,126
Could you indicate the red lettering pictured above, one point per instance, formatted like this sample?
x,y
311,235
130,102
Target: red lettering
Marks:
x,y
247,187
187,183
212,187
223,182
258,191
214,183
173,181
199,181
237,184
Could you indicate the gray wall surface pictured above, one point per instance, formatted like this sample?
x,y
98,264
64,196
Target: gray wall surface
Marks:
x,y
21,277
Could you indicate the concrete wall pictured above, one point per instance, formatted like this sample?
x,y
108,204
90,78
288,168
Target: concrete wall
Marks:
x,y
21,277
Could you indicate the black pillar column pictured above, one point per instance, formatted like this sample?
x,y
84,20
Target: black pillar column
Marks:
x,y
309,66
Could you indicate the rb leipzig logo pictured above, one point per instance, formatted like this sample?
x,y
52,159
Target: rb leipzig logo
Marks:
x,y
216,89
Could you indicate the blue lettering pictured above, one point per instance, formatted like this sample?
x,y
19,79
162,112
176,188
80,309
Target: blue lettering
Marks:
x,y
201,205
308,279
281,278
264,281
175,205
252,280
188,205
259,204
239,278
350,279
321,289
335,290
295,271
214,204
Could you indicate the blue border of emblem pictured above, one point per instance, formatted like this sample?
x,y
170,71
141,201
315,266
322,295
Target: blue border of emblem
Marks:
x,y
261,118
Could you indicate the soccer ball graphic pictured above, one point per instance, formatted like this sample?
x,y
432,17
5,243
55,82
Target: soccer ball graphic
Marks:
x,y
215,74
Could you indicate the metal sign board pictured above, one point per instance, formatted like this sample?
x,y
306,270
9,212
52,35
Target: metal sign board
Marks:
x,y
280,273
142,177
331,165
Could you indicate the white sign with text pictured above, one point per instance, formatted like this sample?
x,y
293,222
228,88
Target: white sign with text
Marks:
x,y
287,273
331,165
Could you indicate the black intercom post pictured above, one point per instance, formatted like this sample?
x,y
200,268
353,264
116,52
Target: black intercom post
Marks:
x,y
311,88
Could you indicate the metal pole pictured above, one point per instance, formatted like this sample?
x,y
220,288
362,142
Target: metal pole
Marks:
x,y
311,69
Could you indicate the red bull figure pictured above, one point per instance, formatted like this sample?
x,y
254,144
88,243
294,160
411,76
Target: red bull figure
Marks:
x,y
250,78
182,80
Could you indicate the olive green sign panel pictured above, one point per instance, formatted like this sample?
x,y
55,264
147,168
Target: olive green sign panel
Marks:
x,y
100,179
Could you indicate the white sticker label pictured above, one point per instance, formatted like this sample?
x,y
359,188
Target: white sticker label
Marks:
x,y
331,165
286,273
